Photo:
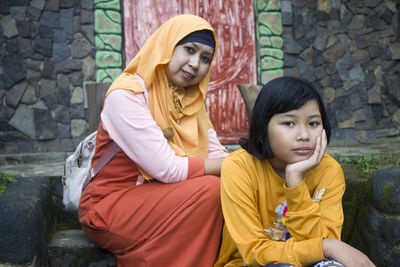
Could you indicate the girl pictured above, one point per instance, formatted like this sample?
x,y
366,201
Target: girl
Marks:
x,y
157,202
281,194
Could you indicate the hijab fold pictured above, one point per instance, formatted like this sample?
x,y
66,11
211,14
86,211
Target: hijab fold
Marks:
x,y
190,137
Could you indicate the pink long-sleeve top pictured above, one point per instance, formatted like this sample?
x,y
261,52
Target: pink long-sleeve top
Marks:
x,y
126,114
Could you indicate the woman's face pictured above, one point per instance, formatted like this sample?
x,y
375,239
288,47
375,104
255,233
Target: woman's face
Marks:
x,y
292,135
189,63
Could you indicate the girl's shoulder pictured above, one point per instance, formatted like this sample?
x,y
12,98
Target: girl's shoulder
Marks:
x,y
242,159
329,162
240,155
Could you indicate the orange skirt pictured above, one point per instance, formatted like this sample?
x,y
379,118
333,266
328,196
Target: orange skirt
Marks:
x,y
158,224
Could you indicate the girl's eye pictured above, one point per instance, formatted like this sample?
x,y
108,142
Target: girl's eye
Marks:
x,y
288,123
315,123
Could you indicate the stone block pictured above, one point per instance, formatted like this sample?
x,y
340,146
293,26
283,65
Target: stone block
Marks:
x,y
77,96
79,127
108,59
270,63
72,248
50,19
9,26
13,69
395,51
14,95
25,221
23,120
80,48
61,51
45,126
111,4
267,76
107,21
88,68
272,20
333,53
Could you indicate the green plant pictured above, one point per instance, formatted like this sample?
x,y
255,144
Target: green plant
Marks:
x,y
5,179
368,165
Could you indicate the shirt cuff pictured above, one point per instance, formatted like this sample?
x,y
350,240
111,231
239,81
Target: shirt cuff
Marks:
x,y
302,250
196,167
298,198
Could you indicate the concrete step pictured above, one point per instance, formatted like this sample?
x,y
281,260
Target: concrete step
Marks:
x,y
71,248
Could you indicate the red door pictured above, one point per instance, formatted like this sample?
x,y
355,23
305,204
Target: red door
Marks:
x,y
235,62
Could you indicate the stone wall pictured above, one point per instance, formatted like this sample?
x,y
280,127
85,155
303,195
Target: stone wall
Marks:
x,y
350,50
47,55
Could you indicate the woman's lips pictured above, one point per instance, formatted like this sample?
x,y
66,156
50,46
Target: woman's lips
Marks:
x,y
187,75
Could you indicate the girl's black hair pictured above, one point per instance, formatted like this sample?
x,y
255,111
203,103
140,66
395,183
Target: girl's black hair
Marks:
x,y
279,96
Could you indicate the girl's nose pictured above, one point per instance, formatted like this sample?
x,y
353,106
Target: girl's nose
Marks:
x,y
303,134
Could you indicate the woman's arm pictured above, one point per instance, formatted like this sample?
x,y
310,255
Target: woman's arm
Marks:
x,y
212,166
128,120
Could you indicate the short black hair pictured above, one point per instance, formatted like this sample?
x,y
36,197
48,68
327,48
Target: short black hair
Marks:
x,y
280,95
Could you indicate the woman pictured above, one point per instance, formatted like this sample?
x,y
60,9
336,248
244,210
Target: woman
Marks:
x,y
156,203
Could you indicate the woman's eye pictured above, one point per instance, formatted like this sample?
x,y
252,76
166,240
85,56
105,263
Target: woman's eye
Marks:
x,y
288,123
189,49
205,59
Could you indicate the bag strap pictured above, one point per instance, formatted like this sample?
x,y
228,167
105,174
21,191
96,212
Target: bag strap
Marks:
x,y
110,152
104,159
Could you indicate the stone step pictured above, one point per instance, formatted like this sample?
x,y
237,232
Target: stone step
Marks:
x,y
71,248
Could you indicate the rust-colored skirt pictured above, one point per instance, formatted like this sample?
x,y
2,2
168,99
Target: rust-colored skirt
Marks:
x,y
156,224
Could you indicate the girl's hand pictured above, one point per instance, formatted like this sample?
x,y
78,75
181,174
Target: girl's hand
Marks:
x,y
345,254
294,172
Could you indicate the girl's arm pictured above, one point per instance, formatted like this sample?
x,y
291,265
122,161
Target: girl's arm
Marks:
x,y
345,254
319,215
245,223
294,173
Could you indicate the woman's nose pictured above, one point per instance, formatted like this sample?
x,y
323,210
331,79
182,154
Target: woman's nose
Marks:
x,y
194,61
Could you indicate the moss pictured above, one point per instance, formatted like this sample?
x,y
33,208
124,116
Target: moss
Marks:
x,y
386,191
5,180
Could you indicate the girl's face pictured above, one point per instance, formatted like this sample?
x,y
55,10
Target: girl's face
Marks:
x,y
292,135
189,63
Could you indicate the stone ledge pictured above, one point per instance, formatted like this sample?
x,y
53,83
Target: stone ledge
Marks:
x,y
73,248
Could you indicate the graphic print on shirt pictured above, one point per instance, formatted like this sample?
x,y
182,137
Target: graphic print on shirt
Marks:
x,y
279,231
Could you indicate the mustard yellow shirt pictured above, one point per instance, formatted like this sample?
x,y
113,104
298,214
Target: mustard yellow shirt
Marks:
x,y
257,222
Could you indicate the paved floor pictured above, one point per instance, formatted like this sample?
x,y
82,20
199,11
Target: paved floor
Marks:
x,y
52,164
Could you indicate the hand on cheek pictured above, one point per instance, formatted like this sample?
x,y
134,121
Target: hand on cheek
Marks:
x,y
295,171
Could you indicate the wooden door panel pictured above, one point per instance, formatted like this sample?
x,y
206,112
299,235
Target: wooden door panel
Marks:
x,y
235,61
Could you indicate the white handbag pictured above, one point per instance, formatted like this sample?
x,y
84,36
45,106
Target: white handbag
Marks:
x,y
77,171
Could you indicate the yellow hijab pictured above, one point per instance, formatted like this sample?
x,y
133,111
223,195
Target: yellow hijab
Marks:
x,y
190,137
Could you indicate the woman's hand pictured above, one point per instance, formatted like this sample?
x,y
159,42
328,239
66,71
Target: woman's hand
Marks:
x,y
345,254
294,172
212,166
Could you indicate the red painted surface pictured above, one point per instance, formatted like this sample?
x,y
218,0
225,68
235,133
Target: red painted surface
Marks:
x,y
235,62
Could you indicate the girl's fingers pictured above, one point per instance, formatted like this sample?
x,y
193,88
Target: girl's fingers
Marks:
x,y
323,145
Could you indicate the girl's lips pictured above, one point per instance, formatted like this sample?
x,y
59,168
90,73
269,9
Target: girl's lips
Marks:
x,y
302,151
